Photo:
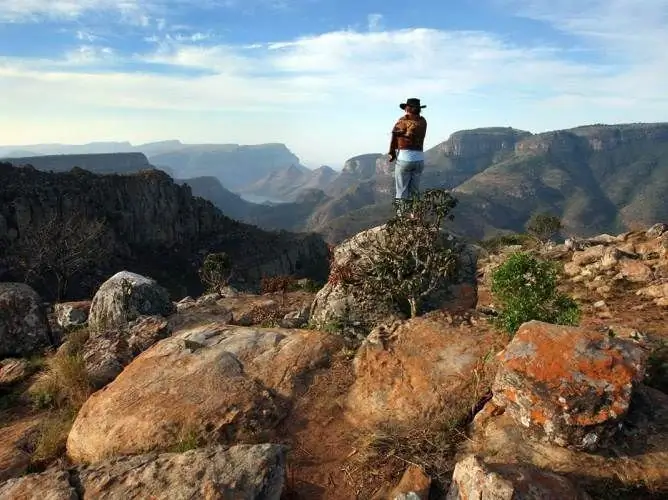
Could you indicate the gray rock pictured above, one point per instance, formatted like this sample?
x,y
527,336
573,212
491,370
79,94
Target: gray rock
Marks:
x,y
69,314
252,472
657,230
24,328
473,478
105,356
51,485
126,296
109,351
296,319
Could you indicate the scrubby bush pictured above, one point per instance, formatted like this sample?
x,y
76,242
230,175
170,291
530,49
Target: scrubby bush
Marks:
x,y
216,271
59,248
526,289
410,259
544,226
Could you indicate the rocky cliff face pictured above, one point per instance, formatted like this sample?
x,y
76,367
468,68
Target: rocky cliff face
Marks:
x,y
483,141
98,163
157,227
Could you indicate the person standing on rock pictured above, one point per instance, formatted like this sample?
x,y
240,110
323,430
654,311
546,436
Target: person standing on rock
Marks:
x,y
407,148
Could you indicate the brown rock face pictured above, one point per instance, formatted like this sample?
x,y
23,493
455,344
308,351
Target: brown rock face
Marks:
x,y
14,438
415,373
217,381
570,385
473,479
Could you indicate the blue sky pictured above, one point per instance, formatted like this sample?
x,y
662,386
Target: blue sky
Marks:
x,y
323,76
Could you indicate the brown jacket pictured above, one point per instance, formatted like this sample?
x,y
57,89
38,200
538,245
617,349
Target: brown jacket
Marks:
x,y
409,133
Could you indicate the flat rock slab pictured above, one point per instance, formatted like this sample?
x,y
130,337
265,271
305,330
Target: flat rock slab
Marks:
x,y
570,385
215,381
246,472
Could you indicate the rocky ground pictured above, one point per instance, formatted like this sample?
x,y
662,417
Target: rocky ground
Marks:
x,y
241,396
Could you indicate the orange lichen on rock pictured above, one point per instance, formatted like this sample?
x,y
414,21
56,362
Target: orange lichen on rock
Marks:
x,y
568,381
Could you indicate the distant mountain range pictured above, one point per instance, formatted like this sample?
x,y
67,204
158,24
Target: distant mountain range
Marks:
x,y
236,166
597,178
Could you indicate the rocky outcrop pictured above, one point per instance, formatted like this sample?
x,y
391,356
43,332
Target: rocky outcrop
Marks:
x,y
606,264
23,323
126,296
248,472
108,163
568,385
155,225
480,142
415,372
473,479
216,381
336,302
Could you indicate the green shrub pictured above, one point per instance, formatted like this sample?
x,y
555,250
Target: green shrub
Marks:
x,y
526,289
216,271
411,258
544,226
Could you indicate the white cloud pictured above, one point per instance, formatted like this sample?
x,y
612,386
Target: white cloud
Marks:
x,y
301,91
374,22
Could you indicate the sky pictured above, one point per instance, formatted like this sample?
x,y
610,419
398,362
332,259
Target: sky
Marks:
x,y
325,77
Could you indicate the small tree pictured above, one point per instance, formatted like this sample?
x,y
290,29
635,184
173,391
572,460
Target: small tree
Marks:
x,y
544,226
526,288
216,271
410,258
60,247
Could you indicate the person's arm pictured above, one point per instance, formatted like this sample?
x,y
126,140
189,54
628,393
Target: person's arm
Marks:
x,y
394,143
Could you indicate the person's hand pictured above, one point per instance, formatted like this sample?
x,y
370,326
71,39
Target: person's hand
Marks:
x,y
393,156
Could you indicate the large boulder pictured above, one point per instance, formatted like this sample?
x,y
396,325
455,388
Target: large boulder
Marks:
x,y
473,478
248,472
24,328
417,372
637,456
215,381
336,303
569,385
126,296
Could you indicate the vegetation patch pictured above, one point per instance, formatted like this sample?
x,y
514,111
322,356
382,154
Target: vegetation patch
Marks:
x,y
410,258
526,289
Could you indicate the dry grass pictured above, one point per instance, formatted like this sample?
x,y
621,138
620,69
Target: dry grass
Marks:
x,y
431,445
51,438
64,384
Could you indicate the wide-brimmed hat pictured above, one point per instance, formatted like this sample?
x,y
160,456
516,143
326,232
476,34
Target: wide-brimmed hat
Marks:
x,y
413,101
